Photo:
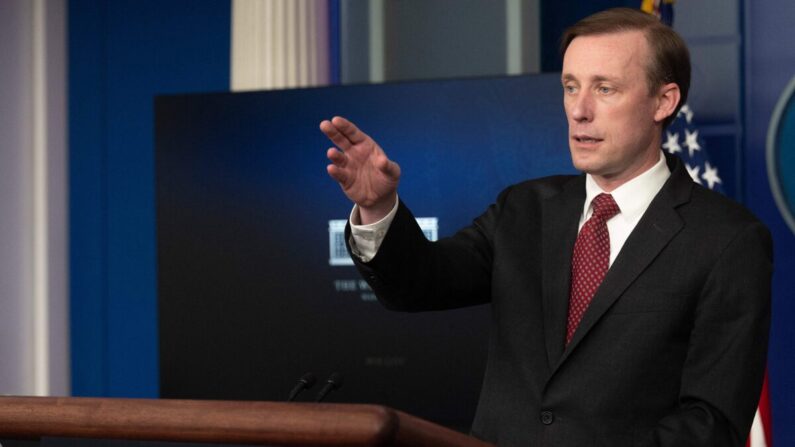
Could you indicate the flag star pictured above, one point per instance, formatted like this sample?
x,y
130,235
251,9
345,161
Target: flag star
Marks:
x,y
672,143
711,175
693,172
691,141
685,110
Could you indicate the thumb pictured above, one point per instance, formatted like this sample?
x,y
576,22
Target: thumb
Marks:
x,y
390,168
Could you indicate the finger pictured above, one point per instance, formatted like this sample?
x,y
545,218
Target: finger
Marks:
x,y
392,170
388,167
337,157
333,134
337,174
349,130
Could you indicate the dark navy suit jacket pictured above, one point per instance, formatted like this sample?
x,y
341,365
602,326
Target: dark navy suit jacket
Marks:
x,y
670,352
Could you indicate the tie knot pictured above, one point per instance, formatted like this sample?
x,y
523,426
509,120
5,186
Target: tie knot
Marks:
x,y
604,207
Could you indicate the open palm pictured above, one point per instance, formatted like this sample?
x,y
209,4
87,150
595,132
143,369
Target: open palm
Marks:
x,y
367,176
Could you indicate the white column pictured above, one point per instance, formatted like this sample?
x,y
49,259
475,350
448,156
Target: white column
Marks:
x,y
33,285
522,36
53,283
377,41
279,44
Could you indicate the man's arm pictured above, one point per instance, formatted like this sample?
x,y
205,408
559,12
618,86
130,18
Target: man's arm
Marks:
x,y
723,373
410,273
416,270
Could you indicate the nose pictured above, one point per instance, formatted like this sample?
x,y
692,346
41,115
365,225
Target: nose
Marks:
x,y
581,107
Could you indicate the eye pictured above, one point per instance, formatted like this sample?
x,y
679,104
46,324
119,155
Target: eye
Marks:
x,y
605,90
570,89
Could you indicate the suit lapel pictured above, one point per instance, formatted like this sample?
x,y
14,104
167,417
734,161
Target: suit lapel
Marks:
x,y
561,214
659,224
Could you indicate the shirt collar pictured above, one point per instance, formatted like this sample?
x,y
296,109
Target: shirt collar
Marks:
x,y
634,196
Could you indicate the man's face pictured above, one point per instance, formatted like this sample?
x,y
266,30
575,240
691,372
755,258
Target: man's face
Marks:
x,y
613,131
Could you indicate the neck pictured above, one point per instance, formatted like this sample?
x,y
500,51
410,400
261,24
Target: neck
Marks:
x,y
608,183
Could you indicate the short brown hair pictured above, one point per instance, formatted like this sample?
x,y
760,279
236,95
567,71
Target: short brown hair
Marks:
x,y
670,61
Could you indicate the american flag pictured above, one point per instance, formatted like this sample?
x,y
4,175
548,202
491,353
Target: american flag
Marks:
x,y
682,139
762,430
662,9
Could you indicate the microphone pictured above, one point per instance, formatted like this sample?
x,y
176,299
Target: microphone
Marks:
x,y
306,382
334,382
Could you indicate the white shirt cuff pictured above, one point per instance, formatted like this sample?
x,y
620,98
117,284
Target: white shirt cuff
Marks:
x,y
366,239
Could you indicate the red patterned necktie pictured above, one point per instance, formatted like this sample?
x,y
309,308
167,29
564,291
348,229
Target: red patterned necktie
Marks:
x,y
590,260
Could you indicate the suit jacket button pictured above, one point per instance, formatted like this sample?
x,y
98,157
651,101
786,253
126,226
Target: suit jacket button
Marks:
x,y
547,417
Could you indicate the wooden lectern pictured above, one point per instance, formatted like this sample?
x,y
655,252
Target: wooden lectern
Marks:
x,y
223,422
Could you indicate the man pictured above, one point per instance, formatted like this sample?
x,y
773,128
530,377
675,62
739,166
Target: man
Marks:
x,y
630,305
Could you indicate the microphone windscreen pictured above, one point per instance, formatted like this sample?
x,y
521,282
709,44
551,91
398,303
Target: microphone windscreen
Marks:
x,y
308,380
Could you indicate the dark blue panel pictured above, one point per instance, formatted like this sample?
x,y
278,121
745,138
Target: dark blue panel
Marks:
x,y
248,296
334,41
137,49
770,64
558,15
87,197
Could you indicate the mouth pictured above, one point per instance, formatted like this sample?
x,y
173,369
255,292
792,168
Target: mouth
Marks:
x,y
586,139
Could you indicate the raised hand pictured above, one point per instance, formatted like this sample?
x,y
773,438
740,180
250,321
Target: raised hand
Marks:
x,y
367,176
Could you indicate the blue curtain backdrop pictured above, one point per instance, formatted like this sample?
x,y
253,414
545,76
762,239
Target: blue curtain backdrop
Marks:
x,y
123,53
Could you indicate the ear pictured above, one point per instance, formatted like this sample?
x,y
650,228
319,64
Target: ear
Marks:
x,y
668,97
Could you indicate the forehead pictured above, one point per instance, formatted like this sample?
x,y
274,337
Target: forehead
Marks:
x,y
616,55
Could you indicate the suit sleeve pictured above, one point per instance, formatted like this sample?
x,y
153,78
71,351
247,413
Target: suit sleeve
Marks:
x,y
410,273
724,369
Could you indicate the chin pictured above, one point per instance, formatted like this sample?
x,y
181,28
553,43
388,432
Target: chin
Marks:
x,y
584,156
593,169
584,165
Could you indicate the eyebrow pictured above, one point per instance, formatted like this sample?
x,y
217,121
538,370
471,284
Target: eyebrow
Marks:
x,y
597,78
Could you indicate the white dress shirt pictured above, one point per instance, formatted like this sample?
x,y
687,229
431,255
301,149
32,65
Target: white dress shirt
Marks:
x,y
632,198
366,239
